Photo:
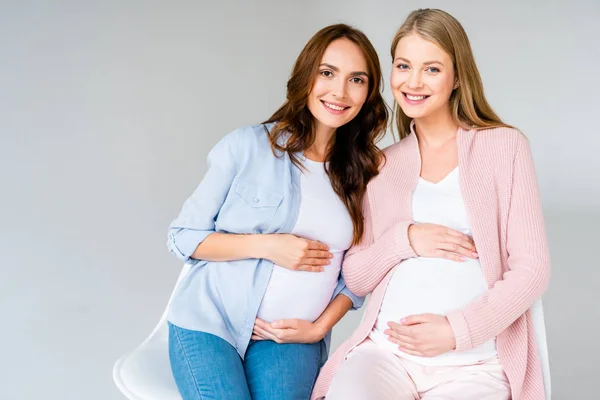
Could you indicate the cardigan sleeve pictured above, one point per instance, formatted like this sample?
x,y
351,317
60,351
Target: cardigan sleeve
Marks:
x,y
528,272
341,288
369,261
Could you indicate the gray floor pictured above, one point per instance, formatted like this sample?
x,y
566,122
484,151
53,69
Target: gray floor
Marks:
x,y
67,319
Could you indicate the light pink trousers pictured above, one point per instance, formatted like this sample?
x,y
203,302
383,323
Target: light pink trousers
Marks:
x,y
371,372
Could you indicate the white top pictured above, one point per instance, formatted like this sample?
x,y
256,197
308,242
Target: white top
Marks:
x,y
323,217
435,285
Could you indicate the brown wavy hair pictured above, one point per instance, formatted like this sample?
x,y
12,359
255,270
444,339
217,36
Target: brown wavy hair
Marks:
x,y
353,157
468,104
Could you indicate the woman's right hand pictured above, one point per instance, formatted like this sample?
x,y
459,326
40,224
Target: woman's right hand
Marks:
x,y
438,241
295,253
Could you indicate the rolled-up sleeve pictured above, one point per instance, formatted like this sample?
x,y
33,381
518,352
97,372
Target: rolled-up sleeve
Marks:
x,y
196,219
357,301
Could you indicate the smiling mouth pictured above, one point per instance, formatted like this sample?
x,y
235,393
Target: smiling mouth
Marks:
x,y
335,107
413,97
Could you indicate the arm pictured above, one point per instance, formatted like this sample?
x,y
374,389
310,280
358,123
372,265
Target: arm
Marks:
x,y
192,234
528,262
228,247
196,221
341,288
368,262
334,312
285,250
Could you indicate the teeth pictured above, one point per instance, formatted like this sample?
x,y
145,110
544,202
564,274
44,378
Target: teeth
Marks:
x,y
333,106
415,98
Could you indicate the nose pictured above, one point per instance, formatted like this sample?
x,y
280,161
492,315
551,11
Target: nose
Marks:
x,y
339,88
414,81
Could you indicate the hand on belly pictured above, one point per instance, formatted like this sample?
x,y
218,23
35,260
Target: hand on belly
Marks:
x,y
288,331
423,335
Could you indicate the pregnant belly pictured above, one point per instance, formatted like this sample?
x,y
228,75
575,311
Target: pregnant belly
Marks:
x,y
436,286
428,285
299,294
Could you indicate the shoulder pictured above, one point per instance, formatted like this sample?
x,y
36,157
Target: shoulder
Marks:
x,y
400,164
244,140
247,135
400,147
496,150
500,140
399,155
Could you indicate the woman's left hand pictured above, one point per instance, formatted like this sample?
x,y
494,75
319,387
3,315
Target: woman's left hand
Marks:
x,y
424,335
288,331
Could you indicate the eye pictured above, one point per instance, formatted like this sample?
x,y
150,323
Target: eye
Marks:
x,y
326,73
433,70
402,66
358,80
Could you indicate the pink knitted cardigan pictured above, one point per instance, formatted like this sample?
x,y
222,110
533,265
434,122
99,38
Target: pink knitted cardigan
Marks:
x,y
499,188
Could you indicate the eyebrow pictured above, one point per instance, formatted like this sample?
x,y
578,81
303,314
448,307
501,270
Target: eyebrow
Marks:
x,y
425,63
336,69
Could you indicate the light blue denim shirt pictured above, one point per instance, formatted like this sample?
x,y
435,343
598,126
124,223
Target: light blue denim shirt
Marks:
x,y
246,189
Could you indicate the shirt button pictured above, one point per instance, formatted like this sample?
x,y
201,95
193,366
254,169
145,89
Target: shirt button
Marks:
x,y
256,200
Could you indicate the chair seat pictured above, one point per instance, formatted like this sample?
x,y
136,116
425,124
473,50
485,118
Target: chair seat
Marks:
x,y
145,373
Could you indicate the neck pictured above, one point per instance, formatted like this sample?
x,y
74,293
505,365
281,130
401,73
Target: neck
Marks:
x,y
323,138
436,130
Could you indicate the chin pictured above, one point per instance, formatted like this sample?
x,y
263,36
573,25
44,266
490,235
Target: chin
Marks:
x,y
333,123
414,113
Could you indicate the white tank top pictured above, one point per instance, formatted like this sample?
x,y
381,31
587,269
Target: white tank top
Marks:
x,y
435,285
323,217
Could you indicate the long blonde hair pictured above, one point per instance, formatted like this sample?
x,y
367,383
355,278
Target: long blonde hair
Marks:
x,y
468,105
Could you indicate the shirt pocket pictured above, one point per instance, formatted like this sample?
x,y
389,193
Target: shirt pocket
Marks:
x,y
258,203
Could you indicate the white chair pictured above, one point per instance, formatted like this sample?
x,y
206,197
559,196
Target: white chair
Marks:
x,y
145,372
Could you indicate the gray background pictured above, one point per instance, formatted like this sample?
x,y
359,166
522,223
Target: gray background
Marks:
x,y
107,112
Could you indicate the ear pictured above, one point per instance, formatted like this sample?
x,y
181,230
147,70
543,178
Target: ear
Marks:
x,y
456,84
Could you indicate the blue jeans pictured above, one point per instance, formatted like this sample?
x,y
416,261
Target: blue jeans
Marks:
x,y
207,367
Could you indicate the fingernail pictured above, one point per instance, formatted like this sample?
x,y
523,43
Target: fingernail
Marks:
x,y
403,320
462,258
475,254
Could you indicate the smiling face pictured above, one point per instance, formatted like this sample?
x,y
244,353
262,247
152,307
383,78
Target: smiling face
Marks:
x,y
422,77
341,86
